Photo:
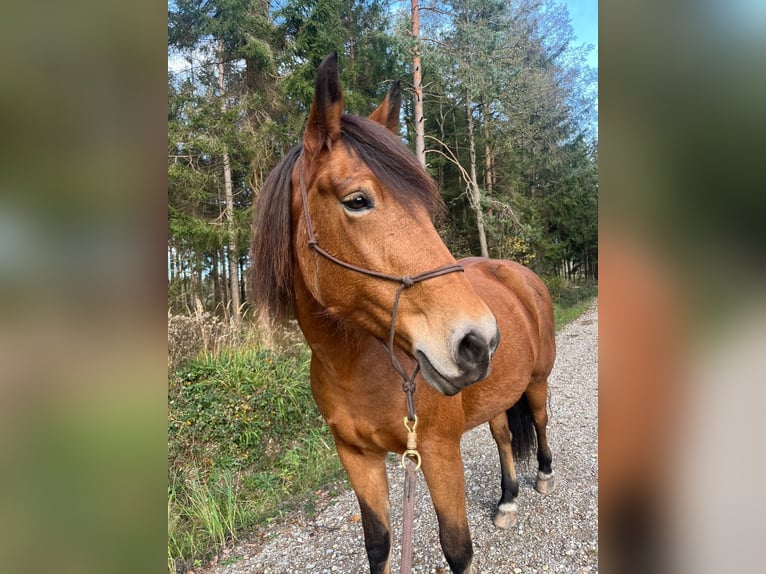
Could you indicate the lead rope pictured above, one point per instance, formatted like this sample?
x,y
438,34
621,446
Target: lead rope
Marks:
x,y
411,464
411,458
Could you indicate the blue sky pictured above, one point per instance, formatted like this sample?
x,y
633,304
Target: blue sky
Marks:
x,y
584,15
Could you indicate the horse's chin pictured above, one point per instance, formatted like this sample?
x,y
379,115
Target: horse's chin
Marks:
x,y
446,386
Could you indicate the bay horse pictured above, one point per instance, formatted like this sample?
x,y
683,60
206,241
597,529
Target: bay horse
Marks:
x,y
343,217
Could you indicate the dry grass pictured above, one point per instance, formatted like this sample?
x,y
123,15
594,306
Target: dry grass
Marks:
x,y
205,334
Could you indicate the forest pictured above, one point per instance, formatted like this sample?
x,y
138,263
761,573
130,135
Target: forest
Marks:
x,y
498,102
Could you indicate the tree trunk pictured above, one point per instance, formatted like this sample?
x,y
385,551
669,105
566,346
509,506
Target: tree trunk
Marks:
x,y
216,282
228,189
489,176
182,263
242,286
172,269
442,137
489,182
200,281
417,80
192,280
475,192
225,291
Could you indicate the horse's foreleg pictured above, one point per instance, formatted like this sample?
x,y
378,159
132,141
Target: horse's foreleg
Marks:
x,y
506,508
367,473
443,471
537,396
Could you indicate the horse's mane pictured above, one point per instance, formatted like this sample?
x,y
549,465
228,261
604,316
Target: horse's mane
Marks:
x,y
397,168
271,276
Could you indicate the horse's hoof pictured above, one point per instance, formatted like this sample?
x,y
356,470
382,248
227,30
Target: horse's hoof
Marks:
x,y
506,515
545,483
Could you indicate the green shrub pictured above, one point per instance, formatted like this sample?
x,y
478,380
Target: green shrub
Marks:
x,y
570,300
244,435
566,293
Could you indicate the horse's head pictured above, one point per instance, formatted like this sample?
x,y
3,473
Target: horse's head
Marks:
x,y
370,204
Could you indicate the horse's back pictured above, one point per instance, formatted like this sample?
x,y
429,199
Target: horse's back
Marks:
x,y
521,303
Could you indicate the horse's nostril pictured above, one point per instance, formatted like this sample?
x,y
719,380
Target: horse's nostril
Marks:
x,y
494,342
472,350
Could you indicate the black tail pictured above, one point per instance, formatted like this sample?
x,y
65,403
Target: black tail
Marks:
x,y
523,437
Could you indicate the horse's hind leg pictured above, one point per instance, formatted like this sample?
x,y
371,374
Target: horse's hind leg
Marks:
x,y
537,397
506,508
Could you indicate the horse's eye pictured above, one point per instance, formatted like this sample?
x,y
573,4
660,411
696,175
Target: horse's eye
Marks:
x,y
357,202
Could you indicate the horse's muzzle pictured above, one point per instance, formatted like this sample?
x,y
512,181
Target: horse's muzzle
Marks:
x,y
472,359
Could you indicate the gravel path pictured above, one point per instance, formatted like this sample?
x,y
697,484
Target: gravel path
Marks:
x,y
554,533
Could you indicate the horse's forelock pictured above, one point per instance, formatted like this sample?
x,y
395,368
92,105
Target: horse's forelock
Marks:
x,y
392,162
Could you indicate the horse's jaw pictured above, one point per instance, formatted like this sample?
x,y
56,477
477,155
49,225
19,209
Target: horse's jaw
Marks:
x,y
451,362
434,378
450,386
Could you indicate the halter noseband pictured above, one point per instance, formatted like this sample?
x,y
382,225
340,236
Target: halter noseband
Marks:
x,y
404,282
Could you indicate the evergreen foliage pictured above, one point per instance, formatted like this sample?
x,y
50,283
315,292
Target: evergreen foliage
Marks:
x,y
509,119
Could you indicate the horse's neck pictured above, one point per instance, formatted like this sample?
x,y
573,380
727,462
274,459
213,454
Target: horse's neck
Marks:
x,y
319,326
350,353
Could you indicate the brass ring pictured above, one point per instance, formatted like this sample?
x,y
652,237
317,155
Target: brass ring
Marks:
x,y
411,453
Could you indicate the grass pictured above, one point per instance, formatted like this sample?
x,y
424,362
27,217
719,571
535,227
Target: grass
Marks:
x,y
246,441
570,300
563,315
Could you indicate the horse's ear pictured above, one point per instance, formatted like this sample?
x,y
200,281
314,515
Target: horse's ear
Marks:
x,y
387,113
323,127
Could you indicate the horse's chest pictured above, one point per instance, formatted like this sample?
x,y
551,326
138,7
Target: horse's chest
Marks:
x,y
360,411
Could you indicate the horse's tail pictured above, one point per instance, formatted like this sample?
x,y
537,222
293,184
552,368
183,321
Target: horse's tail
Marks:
x,y
523,437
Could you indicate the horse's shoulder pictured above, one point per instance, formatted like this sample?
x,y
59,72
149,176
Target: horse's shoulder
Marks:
x,y
513,275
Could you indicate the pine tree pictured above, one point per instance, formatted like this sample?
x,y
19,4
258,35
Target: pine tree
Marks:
x,y
216,131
